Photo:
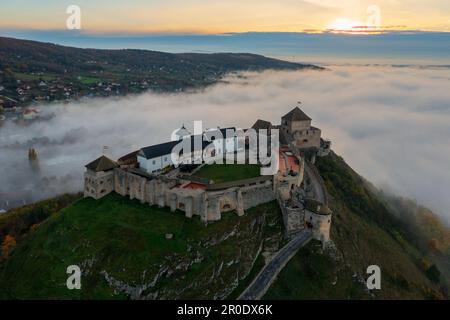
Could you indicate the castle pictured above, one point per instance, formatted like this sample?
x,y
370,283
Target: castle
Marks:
x,y
150,176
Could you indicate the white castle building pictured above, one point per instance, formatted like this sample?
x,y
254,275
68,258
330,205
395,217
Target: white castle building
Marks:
x,y
213,142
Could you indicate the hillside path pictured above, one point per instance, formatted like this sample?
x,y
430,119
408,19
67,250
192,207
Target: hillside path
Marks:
x,y
268,274
317,183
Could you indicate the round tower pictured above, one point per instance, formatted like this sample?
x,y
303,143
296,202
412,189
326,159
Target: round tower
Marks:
x,y
318,219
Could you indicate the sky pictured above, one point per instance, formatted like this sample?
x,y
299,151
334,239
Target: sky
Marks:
x,y
389,123
221,16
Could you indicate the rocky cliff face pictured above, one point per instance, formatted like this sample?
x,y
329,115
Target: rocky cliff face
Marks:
x,y
128,250
175,277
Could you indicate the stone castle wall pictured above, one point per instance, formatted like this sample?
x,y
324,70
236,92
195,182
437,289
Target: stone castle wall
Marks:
x,y
210,205
307,138
165,192
98,184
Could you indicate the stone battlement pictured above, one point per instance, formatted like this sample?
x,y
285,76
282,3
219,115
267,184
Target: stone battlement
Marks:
x,y
168,192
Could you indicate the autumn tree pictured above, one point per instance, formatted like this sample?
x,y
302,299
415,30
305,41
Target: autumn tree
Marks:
x,y
9,243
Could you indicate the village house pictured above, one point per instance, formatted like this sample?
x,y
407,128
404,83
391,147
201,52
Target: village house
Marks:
x,y
30,114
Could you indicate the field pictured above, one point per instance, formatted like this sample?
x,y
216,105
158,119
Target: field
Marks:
x,y
220,173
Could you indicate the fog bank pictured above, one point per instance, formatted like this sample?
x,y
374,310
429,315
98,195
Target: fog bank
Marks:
x,y
390,124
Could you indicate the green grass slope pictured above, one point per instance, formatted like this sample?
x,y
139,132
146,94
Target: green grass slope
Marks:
x,y
365,233
122,250
220,173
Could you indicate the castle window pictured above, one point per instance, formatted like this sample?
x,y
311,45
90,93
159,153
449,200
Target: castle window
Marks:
x,y
305,140
103,191
154,162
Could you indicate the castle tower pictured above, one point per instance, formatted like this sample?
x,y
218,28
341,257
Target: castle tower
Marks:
x,y
297,130
99,178
318,219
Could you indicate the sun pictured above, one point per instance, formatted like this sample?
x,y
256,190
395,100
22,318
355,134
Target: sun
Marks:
x,y
344,25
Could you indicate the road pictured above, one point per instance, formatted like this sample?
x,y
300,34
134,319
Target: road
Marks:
x,y
320,193
268,274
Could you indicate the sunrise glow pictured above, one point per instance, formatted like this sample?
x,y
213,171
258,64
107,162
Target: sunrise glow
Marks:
x,y
198,16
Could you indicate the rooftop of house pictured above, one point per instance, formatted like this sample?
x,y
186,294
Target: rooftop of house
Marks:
x,y
158,150
317,207
262,124
296,115
209,133
102,164
166,148
128,157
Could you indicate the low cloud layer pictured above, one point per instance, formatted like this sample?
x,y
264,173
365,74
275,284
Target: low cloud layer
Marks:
x,y
392,125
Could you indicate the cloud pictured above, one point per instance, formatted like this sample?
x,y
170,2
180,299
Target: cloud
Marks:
x,y
390,124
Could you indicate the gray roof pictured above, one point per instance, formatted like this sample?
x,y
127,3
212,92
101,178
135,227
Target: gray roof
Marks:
x,y
262,124
317,207
164,149
102,164
158,150
296,115
212,132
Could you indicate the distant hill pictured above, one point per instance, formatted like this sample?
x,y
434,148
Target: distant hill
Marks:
x,y
123,251
51,72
